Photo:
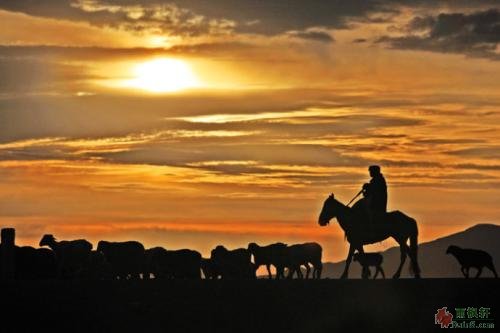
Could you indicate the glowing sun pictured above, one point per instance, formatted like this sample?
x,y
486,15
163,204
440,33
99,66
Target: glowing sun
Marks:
x,y
163,75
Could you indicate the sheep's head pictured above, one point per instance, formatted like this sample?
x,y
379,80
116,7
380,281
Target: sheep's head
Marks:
x,y
452,249
47,240
252,247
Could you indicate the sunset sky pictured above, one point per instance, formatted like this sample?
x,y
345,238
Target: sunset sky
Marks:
x,y
187,124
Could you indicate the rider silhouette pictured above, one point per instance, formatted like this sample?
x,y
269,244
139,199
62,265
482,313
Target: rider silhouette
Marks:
x,y
375,193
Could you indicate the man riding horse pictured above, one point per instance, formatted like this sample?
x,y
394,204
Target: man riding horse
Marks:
x,y
375,193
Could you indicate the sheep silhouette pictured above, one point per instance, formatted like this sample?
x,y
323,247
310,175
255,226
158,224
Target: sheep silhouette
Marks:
x,y
298,255
233,264
71,256
174,264
472,258
126,259
273,254
370,259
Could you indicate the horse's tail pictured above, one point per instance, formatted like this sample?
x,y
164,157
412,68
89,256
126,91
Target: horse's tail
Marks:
x,y
414,268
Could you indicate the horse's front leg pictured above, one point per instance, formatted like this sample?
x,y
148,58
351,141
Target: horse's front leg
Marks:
x,y
404,250
348,262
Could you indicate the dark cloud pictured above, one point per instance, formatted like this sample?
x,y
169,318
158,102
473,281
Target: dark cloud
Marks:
x,y
313,35
485,152
476,34
195,17
360,40
280,154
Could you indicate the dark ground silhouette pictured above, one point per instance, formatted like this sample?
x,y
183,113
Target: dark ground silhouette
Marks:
x,y
405,305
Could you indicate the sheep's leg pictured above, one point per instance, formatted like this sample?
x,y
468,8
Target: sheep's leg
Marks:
x,y
479,271
382,272
492,268
318,268
377,270
269,271
463,271
299,272
308,270
467,272
348,262
404,249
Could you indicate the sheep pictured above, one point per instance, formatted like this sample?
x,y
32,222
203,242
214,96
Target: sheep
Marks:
x,y
304,254
369,259
175,264
126,259
273,254
234,264
472,258
71,256
34,263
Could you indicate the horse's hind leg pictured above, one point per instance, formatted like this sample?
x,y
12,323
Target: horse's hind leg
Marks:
x,y
382,272
377,269
404,250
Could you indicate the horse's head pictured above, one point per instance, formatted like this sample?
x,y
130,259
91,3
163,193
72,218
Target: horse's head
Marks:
x,y
328,211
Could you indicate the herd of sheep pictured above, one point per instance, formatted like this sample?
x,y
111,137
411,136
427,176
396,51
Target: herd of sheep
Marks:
x,y
130,260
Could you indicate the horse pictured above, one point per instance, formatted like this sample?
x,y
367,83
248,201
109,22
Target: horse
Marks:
x,y
358,231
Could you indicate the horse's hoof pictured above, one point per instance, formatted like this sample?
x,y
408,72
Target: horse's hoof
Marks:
x,y
343,277
396,276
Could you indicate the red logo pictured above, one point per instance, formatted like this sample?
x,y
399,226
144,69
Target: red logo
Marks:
x,y
443,317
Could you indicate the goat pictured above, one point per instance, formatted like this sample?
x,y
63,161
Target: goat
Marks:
x,y
304,254
370,259
274,254
71,256
472,258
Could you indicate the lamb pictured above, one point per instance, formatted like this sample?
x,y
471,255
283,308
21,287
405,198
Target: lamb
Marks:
x,y
472,258
370,259
126,259
71,256
175,264
234,264
274,254
304,254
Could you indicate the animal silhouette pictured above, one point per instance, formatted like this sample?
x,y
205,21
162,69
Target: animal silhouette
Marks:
x,y
358,231
233,264
472,258
126,259
176,264
72,256
302,255
370,259
273,254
